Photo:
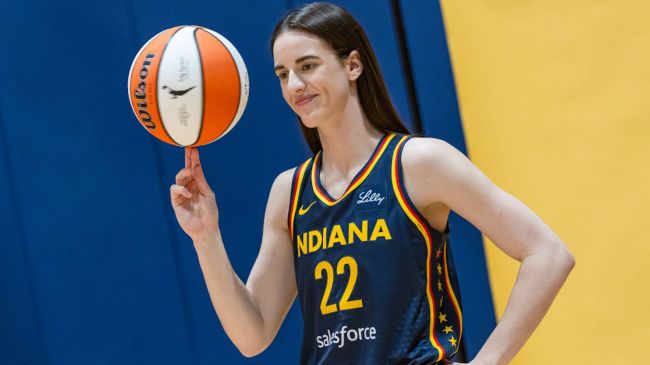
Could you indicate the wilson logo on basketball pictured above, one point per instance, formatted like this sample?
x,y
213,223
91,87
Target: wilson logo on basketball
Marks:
x,y
140,93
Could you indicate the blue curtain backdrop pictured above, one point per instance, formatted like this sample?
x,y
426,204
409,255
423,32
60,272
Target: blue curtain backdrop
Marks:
x,y
93,266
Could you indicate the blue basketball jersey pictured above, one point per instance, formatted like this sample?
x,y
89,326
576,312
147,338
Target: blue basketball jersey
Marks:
x,y
376,282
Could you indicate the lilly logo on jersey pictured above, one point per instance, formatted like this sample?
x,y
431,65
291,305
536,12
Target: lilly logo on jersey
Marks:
x,y
328,237
369,196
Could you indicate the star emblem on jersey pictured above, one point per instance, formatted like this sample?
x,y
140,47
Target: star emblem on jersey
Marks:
x,y
303,211
453,341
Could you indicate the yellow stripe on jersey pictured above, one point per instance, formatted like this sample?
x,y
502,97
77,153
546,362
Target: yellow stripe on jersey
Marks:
x,y
450,290
368,168
427,237
295,195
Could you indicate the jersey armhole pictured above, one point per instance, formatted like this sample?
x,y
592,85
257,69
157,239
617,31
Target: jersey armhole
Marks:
x,y
296,187
405,202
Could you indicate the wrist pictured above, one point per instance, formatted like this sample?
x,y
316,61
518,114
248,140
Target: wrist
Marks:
x,y
207,240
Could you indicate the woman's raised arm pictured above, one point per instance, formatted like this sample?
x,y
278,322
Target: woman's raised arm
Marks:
x,y
250,314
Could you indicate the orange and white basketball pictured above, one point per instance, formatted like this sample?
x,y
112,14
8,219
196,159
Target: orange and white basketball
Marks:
x,y
188,86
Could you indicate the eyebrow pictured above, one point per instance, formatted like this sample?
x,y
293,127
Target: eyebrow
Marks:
x,y
278,67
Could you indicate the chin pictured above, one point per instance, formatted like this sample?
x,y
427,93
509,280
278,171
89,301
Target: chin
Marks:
x,y
310,121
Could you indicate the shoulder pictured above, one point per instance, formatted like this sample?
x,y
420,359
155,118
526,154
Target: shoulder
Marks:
x,y
281,189
433,169
285,177
429,155
277,207
282,183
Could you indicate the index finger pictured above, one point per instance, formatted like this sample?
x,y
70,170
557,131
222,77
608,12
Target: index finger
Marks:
x,y
188,161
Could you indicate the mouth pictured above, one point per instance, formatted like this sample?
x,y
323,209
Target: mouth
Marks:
x,y
303,100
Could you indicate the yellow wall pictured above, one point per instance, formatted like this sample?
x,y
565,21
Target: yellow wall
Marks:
x,y
555,102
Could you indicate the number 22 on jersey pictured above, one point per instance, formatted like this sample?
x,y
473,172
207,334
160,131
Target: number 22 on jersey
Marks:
x,y
345,303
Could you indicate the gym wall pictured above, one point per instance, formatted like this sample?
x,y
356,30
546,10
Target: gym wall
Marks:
x,y
554,99
95,270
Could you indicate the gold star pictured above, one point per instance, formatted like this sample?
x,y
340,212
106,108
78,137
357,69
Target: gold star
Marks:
x,y
439,269
453,341
439,285
441,301
448,329
442,317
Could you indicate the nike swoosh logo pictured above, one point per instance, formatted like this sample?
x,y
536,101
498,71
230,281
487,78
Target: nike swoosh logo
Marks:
x,y
303,211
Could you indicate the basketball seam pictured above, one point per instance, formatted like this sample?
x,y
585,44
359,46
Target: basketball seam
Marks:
x,y
198,49
240,87
162,54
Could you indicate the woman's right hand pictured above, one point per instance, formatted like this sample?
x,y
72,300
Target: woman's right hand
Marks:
x,y
192,199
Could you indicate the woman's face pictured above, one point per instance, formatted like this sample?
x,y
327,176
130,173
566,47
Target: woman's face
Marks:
x,y
314,82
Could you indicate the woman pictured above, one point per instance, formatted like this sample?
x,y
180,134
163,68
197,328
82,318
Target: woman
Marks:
x,y
359,231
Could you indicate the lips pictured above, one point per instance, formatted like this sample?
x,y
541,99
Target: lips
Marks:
x,y
302,100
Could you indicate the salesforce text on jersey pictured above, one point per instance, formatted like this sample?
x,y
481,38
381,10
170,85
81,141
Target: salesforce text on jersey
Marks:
x,y
345,335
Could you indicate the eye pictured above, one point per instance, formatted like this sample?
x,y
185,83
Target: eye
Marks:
x,y
309,66
282,75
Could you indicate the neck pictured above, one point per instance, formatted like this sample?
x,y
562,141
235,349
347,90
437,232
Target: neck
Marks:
x,y
347,144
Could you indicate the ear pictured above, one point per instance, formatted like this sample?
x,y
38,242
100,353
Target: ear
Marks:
x,y
354,65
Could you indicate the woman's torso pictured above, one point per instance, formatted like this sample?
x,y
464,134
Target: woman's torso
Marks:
x,y
375,281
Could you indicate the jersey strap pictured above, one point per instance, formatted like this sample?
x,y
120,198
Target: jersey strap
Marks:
x,y
298,177
436,264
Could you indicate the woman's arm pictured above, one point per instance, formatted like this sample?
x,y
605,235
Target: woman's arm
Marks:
x,y
436,173
250,314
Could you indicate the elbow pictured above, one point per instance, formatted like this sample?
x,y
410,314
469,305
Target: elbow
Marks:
x,y
249,352
563,258
570,260
252,349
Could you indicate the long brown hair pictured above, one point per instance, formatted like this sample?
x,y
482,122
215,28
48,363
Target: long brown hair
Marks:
x,y
343,33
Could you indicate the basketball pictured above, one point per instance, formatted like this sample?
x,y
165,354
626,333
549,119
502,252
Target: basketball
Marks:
x,y
188,86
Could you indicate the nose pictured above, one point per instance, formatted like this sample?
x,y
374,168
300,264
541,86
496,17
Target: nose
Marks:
x,y
294,83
